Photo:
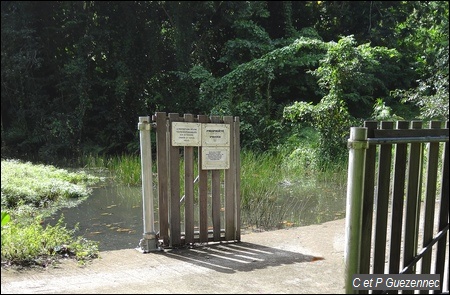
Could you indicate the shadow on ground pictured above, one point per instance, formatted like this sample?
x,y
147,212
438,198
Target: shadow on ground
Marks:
x,y
236,257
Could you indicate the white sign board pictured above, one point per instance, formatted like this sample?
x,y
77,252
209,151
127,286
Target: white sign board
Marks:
x,y
215,158
186,134
215,135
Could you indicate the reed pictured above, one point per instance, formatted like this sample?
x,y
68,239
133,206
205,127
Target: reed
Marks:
x,y
126,169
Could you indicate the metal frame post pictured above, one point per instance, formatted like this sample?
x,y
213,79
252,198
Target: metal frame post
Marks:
x,y
148,242
357,144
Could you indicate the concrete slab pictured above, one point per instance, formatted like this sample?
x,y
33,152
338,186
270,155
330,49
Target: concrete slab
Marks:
x,y
300,260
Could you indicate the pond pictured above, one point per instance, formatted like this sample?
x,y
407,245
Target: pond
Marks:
x,y
113,214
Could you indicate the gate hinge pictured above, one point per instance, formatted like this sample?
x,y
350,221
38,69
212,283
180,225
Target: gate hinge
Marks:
x,y
357,145
144,126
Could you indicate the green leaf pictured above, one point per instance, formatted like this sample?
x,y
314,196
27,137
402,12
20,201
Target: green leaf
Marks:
x,y
5,218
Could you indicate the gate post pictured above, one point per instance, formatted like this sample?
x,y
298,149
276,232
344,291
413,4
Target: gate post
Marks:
x,y
357,144
148,242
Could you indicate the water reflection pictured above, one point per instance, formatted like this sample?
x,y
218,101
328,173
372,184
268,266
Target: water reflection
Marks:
x,y
300,203
112,215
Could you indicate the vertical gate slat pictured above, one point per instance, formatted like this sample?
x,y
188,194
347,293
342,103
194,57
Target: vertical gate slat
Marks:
x,y
189,188
237,157
443,215
383,185
174,155
202,192
216,206
419,197
215,194
397,202
230,230
367,206
430,197
162,165
367,210
415,160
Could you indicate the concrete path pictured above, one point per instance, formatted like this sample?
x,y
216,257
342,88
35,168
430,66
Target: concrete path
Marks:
x,y
301,260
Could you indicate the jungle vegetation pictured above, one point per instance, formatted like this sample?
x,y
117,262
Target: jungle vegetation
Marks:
x,y
76,75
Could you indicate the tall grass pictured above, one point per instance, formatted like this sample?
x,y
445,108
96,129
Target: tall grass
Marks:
x,y
124,169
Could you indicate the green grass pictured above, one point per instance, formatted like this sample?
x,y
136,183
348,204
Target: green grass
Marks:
x,y
28,244
125,169
29,193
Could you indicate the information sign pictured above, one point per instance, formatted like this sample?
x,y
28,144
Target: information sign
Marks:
x,y
215,135
186,134
215,158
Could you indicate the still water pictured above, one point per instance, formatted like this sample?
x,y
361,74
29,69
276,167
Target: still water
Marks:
x,y
113,214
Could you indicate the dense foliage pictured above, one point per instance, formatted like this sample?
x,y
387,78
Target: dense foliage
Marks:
x,y
76,75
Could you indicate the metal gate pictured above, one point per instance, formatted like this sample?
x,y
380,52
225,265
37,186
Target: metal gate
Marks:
x,y
389,178
198,179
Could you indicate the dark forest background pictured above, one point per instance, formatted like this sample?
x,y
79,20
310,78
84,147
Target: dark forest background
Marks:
x,y
76,75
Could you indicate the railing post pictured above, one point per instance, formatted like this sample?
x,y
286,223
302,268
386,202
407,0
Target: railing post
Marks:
x,y
148,242
357,144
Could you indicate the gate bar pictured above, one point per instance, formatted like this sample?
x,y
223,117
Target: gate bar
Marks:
x,y
407,139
